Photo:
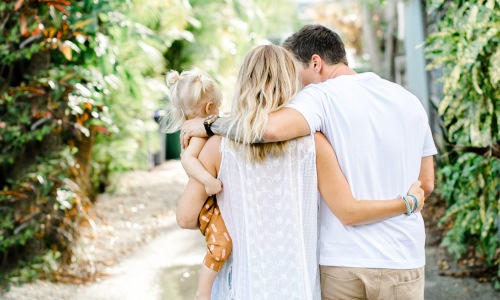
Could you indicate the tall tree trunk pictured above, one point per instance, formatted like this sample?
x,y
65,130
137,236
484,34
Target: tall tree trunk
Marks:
x,y
84,159
370,40
390,39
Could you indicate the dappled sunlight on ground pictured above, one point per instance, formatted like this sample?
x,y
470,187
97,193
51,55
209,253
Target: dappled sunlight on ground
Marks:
x,y
179,282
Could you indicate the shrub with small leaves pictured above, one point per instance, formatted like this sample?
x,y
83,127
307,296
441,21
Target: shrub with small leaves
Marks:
x,y
465,47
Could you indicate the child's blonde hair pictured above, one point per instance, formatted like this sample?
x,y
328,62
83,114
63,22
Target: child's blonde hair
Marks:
x,y
189,93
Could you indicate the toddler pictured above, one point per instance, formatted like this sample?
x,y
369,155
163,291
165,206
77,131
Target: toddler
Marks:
x,y
195,94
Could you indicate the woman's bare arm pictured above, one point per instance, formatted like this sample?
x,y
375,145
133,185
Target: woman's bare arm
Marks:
x,y
427,174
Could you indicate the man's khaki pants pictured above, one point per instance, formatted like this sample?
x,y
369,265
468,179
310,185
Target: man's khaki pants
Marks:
x,y
341,283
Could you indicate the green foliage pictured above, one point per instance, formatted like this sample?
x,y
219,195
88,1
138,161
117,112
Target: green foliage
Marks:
x,y
465,46
67,83
44,204
221,32
471,186
62,101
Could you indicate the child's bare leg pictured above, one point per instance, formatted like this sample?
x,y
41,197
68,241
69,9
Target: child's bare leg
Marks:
x,y
207,278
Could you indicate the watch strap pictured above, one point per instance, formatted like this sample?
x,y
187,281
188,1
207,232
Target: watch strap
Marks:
x,y
208,123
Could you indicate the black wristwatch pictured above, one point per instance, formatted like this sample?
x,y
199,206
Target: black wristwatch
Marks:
x,y
208,123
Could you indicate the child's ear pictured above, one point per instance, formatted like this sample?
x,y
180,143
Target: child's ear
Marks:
x,y
209,107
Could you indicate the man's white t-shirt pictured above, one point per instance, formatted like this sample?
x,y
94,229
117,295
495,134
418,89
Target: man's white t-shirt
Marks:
x,y
380,133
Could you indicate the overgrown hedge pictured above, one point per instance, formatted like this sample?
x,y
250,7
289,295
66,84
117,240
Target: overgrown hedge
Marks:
x,y
465,47
54,101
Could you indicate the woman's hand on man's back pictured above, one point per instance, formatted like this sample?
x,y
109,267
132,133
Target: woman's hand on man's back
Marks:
x,y
417,191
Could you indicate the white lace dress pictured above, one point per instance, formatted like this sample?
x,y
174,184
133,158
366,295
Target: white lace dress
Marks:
x,y
270,211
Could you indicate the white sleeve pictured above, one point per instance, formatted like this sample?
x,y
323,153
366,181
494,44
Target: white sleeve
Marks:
x,y
308,104
429,147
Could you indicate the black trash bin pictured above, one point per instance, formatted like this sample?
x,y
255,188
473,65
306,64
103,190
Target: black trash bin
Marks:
x,y
173,145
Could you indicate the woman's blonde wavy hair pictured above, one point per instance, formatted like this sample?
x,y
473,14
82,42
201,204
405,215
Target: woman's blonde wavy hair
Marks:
x,y
190,91
267,81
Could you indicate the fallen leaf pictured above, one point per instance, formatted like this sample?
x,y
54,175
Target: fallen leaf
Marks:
x,y
443,265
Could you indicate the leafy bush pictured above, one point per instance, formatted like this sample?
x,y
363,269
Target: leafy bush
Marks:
x,y
44,204
471,185
61,64
465,46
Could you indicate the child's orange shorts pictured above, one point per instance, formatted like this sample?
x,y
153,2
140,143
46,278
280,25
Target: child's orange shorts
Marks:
x,y
219,243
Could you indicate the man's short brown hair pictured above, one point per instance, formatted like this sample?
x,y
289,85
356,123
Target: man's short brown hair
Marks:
x,y
316,39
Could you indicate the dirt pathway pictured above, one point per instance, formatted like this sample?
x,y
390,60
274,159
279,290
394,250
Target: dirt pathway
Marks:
x,y
137,243
149,257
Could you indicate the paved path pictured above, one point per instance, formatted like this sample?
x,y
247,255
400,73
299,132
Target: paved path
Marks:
x,y
443,287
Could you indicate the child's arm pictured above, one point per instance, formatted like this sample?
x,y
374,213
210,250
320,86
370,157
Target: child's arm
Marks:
x,y
194,168
194,195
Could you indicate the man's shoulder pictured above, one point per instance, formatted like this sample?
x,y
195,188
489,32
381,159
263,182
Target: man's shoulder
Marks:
x,y
315,91
312,88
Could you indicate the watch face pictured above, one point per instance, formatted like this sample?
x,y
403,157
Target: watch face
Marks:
x,y
210,119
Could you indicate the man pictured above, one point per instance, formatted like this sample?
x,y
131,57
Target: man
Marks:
x,y
383,143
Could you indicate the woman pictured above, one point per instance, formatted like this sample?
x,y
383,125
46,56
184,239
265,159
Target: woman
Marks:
x,y
270,195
